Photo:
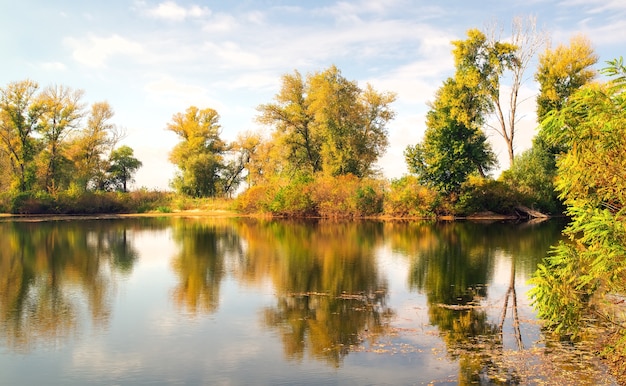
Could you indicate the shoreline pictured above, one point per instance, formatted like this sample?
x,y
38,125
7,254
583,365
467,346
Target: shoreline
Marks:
x,y
224,213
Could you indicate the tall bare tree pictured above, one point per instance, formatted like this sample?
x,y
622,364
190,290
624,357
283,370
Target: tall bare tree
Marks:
x,y
492,60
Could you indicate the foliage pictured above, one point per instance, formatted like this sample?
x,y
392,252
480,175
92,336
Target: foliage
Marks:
x,y
255,199
45,145
479,194
19,118
123,166
91,146
575,278
346,196
532,176
453,146
312,196
294,198
561,72
406,197
199,156
61,112
482,62
327,123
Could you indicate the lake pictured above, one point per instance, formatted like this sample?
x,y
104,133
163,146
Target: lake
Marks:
x,y
210,301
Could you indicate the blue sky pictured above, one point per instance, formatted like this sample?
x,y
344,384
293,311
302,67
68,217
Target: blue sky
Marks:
x,y
152,59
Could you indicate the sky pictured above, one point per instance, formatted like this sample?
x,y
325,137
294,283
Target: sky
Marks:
x,y
152,59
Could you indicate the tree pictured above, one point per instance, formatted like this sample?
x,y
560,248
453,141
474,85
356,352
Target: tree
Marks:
x,y
533,175
453,146
91,147
199,156
293,121
19,117
61,112
123,166
242,151
327,123
482,62
561,72
578,274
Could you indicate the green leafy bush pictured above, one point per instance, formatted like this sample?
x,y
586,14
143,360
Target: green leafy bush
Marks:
x,y
483,194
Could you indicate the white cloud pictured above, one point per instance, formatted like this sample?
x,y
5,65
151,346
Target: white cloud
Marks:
x,y
597,6
178,95
220,22
171,11
52,66
233,55
94,51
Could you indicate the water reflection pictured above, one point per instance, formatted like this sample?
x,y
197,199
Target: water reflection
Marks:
x,y
200,262
329,290
452,263
51,274
319,292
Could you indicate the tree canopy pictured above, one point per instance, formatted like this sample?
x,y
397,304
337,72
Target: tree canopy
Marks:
x,y
328,123
453,146
47,143
483,62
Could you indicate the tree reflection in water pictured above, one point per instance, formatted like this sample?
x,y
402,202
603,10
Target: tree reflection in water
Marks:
x,y
49,274
452,263
331,296
330,293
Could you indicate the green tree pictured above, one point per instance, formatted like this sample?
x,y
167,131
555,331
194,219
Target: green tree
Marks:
x,y
578,274
533,175
200,154
293,121
453,145
62,112
483,62
327,123
560,73
19,117
123,166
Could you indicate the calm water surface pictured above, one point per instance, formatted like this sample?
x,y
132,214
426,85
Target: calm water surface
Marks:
x,y
190,301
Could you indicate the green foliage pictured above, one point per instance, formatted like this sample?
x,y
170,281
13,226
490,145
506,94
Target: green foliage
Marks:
x,y
575,278
203,172
483,194
532,175
368,201
294,198
327,123
123,166
453,146
483,62
46,146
